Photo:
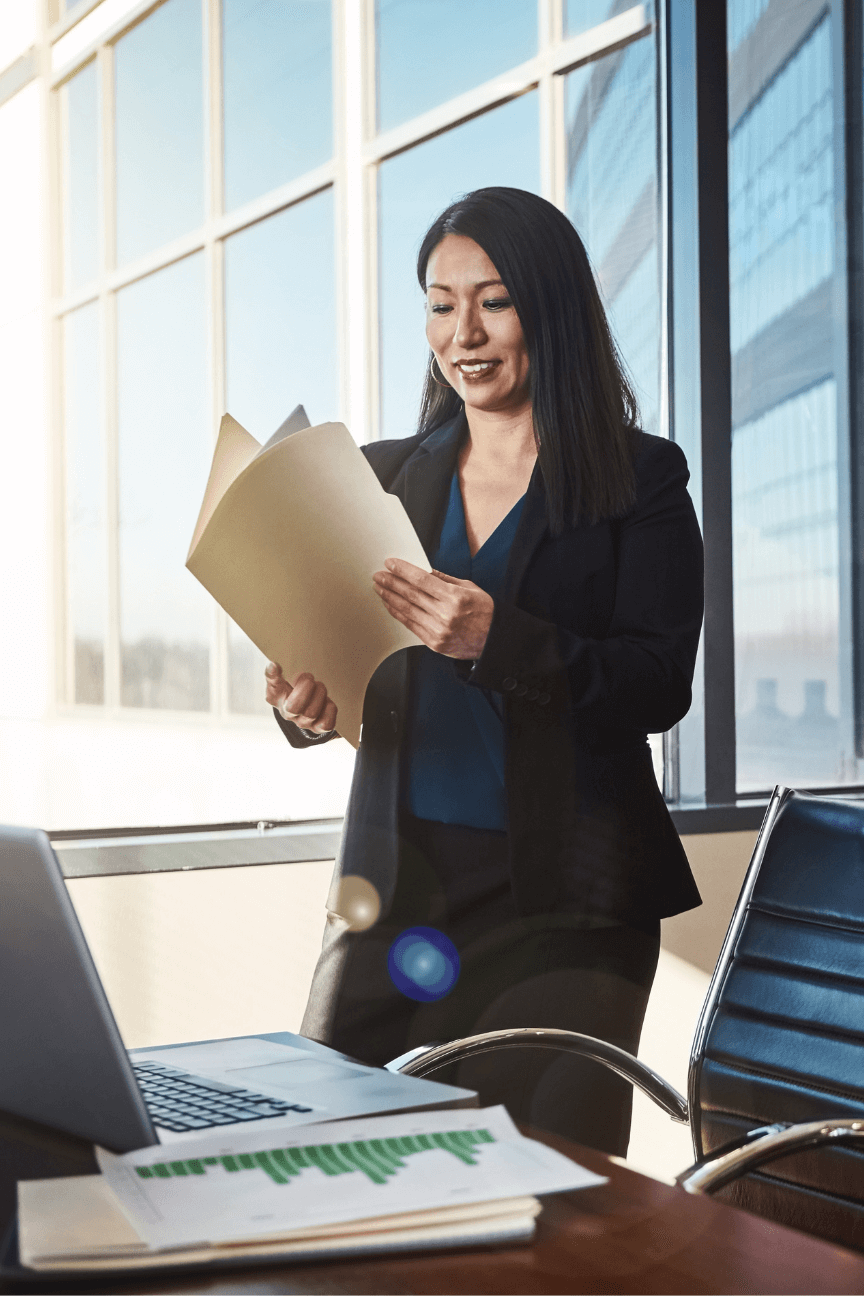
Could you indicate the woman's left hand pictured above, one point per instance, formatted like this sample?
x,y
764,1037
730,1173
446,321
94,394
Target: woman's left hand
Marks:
x,y
451,616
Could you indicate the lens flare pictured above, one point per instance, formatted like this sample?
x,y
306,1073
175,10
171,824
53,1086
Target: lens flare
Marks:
x,y
423,964
357,902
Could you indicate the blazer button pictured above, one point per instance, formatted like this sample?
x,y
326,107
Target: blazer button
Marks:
x,y
520,690
532,695
543,699
508,684
394,720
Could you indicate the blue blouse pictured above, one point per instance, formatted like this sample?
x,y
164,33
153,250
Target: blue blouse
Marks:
x,y
455,740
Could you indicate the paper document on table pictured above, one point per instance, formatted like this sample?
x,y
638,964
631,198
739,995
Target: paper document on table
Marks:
x,y
75,1225
253,1185
287,540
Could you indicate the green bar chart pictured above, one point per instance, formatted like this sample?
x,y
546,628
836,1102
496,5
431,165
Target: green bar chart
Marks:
x,y
378,1159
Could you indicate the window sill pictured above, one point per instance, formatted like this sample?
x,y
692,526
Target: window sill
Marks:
x,y
154,850
744,815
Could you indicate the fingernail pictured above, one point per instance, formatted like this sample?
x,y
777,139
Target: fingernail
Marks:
x,y
390,564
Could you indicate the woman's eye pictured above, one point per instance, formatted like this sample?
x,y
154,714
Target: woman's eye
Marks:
x,y
440,308
498,303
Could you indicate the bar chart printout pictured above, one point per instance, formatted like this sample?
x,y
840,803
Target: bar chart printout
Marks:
x,y
238,1186
378,1159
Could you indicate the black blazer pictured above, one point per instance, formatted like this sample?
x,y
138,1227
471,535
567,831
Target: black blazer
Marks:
x,y
592,646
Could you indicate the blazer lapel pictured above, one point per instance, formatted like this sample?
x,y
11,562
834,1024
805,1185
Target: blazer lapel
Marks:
x,y
531,530
424,483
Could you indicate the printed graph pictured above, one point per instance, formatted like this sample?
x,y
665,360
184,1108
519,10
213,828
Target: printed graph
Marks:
x,y
378,1159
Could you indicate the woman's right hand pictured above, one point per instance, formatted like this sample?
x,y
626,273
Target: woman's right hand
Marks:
x,y
305,703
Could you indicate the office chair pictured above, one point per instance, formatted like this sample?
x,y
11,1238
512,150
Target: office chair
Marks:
x,y
775,1098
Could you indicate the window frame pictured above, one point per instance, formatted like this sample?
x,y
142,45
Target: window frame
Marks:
x,y
695,344
694,74
352,173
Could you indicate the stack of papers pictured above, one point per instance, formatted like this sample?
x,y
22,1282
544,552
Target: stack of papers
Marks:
x,y
287,540
389,1182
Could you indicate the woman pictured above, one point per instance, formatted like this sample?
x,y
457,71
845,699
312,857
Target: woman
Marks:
x,y
504,792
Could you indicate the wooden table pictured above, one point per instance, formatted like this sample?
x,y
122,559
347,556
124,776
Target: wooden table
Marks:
x,y
631,1235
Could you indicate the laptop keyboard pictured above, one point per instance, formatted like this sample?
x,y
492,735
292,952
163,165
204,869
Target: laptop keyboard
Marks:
x,y
180,1101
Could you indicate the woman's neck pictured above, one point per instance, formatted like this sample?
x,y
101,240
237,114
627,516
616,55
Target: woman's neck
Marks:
x,y
501,444
495,467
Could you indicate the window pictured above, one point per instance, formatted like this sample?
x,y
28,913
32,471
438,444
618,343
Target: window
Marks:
x,y
244,187
612,196
79,126
276,77
159,129
280,349
499,147
86,546
766,397
785,472
144,372
162,461
457,45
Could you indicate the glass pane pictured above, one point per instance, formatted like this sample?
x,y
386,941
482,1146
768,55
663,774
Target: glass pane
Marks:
x,y
281,351
164,456
280,318
742,16
245,674
79,107
786,543
431,50
499,148
86,552
277,93
159,129
612,201
579,15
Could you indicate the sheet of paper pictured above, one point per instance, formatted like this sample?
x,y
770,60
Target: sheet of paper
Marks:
x,y
72,1216
287,542
295,422
76,1223
247,1185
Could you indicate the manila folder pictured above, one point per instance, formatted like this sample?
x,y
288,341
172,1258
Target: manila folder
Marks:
x,y
287,542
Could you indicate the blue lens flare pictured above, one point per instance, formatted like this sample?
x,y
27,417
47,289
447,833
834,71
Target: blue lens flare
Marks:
x,y
423,964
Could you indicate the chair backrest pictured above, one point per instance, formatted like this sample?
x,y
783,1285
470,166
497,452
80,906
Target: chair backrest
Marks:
x,y
781,1036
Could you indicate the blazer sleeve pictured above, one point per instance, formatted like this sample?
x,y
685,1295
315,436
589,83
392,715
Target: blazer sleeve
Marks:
x,y
639,676
298,737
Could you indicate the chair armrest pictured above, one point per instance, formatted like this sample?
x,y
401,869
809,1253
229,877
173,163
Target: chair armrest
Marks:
x,y
776,1141
421,1061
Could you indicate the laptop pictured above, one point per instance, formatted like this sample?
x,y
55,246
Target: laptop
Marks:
x,y
63,1063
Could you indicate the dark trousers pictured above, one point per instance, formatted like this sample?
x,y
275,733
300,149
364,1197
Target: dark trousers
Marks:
x,y
563,970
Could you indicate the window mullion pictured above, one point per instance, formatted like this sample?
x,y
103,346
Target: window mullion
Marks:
x,y
854,193
354,67
551,92
843,103
108,331
716,398
215,297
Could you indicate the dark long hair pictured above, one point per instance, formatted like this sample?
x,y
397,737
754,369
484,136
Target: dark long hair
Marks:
x,y
585,412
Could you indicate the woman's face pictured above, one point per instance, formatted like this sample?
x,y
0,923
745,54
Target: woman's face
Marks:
x,y
473,328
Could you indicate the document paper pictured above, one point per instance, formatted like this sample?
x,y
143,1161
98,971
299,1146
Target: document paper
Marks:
x,y
223,1188
287,541
75,1224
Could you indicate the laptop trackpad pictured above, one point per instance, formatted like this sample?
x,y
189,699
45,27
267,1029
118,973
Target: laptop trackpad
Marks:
x,y
290,1076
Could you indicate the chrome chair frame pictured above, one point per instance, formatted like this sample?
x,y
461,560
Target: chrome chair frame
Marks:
x,y
726,1164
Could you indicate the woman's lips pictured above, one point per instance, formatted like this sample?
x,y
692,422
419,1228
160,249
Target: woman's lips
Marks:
x,y
476,370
